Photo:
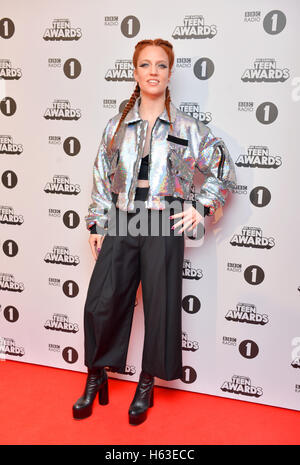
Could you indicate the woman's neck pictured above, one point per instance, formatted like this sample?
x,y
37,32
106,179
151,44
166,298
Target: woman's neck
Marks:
x,y
151,107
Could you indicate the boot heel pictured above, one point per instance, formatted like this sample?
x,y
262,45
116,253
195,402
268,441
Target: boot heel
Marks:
x,y
103,394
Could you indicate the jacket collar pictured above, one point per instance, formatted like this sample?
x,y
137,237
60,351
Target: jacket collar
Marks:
x,y
134,116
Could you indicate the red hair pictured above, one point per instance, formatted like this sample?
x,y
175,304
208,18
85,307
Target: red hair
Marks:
x,y
168,48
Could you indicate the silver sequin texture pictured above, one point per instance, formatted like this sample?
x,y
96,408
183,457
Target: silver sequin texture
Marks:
x,y
174,155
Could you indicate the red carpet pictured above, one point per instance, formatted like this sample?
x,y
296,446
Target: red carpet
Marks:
x,y
36,408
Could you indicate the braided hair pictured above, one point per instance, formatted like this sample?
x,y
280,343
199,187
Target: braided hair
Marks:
x,y
168,47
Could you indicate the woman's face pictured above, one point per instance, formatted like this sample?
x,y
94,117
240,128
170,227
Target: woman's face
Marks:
x,y
152,72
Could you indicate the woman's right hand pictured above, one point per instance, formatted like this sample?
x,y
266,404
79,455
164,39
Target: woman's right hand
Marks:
x,y
95,241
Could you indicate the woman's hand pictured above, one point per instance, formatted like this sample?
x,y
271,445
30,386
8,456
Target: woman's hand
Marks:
x,y
190,217
95,241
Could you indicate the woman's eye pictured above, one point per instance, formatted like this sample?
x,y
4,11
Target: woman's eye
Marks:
x,y
162,65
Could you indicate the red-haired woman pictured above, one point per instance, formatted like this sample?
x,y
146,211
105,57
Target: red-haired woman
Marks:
x,y
145,164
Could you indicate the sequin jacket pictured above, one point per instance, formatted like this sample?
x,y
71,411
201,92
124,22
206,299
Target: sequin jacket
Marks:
x,y
173,156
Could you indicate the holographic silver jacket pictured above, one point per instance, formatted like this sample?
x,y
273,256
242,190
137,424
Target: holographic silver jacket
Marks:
x,y
172,160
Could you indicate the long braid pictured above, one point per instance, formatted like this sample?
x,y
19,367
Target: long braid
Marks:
x,y
134,96
167,103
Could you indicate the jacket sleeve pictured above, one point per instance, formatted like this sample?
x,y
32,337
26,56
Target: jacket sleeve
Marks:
x,y
101,190
214,161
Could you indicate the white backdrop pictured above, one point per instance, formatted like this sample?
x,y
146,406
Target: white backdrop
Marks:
x,y
65,70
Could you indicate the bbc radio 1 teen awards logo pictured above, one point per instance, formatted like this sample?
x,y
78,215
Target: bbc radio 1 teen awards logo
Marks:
x,y
241,385
265,70
247,313
193,109
258,157
60,322
194,27
252,237
61,185
7,71
188,272
188,345
61,255
9,147
8,216
62,30
8,346
8,283
122,71
61,110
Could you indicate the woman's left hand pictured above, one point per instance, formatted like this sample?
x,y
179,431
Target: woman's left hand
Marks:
x,y
189,217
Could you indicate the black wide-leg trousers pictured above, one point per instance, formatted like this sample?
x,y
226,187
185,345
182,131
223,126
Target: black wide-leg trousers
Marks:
x,y
123,262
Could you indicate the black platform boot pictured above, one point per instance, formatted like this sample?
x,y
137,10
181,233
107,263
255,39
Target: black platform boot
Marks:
x,y
143,399
96,383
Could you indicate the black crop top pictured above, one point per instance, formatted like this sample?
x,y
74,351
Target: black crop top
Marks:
x,y
143,173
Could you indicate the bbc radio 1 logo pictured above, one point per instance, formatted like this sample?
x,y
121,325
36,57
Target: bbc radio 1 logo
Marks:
x,y
266,112
258,157
62,30
8,346
265,70
8,146
274,21
8,216
7,72
70,218
61,185
8,283
71,145
61,255
8,106
247,348
122,71
61,110
241,385
10,313
191,304
71,67
60,322
193,109
253,274
194,27
7,28
188,345
188,272
247,313
252,237
69,354
130,25
69,287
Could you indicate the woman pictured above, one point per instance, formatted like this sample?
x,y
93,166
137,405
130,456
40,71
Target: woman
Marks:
x,y
145,165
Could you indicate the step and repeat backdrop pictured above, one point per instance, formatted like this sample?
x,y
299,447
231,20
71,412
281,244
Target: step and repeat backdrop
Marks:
x,y
65,70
